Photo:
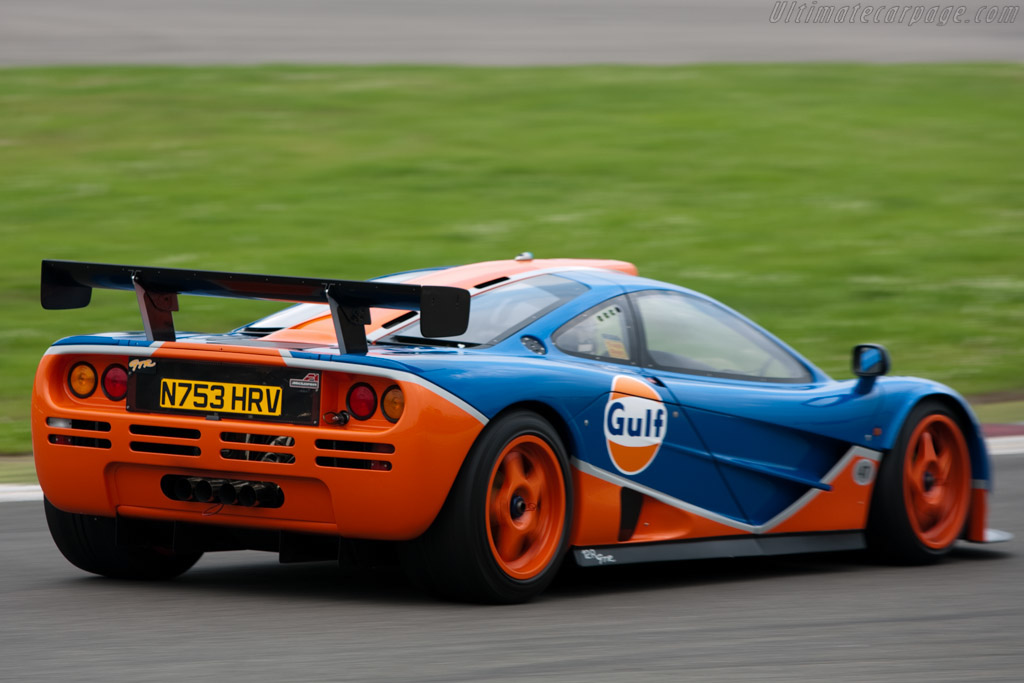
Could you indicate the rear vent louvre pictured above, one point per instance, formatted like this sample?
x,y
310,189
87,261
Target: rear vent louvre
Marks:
x,y
78,425
84,441
257,456
354,463
262,447
354,446
87,425
167,432
263,439
165,448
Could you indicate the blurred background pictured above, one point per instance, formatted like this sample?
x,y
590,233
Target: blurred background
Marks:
x,y
839,182
856,193
834,198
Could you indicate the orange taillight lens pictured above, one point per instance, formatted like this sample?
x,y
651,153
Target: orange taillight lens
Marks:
x,y
82,380
393,403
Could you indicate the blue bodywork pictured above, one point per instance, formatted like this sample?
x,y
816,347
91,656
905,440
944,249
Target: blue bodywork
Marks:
x,y
741,449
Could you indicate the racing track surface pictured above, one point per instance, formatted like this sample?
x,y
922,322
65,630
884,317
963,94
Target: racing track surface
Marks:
x,y
241,616
475,32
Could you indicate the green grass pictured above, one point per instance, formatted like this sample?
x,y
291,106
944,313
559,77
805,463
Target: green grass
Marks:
x,y
835,204
17,470
1007,413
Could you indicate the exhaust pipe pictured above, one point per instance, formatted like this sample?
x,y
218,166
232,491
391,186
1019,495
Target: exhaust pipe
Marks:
x,y
207,490
225,491
228,492
260,494
183,488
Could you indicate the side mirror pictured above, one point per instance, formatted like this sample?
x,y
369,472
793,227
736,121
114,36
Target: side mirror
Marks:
x,y
869,361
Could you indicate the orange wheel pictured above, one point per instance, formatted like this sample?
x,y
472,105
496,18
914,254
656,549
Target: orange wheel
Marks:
x,y
526,507
504,530
936,481
922,497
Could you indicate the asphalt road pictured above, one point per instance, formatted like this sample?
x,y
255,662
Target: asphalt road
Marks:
x,y
242,616
475,32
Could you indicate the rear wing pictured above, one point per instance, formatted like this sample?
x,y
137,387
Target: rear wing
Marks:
x,y
444,311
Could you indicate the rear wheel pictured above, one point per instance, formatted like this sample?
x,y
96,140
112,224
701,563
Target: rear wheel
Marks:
x,y
90,543
922,498
504,529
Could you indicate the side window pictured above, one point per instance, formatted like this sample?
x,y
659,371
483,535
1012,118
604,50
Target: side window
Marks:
x,y
603,333
694,336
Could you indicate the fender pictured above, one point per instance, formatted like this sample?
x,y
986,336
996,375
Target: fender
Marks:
x,y
903,393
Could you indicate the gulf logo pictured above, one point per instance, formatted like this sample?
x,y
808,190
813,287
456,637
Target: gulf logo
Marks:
x,y
634,424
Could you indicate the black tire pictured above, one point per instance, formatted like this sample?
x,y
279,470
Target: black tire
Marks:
x,y
89,543
459,557
904,526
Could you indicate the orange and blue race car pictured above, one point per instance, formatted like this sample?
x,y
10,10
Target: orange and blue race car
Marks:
x,y
481,424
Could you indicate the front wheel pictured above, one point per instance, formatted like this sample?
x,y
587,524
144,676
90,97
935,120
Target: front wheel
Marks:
x,y
922,498
504,528
90,543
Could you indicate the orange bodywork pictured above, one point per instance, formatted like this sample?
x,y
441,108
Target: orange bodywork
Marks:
x,y
104,464
113,474
977,521
598,515
430,441
844,507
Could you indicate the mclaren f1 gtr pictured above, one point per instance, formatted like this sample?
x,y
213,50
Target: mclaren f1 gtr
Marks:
x,y
483,424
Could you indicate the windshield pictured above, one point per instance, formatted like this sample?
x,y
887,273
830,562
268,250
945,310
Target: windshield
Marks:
x,y
497,313
689,335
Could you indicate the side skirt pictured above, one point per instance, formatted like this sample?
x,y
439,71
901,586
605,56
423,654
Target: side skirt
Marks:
x,y
742,546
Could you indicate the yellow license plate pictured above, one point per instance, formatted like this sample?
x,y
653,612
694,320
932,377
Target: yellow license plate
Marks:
x,y
250,399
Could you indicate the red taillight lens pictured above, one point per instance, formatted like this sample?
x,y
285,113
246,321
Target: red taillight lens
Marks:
x,y
362,401
115,382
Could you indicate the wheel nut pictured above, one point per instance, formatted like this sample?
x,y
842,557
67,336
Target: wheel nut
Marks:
x,y
518,506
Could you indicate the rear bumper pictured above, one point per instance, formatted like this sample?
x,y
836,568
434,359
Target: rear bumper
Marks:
x,y
104,462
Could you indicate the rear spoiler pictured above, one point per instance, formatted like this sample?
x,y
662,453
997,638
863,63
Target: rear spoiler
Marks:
x,y
444,311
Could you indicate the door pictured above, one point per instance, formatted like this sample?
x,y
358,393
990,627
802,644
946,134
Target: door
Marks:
x,y
773,426
633,436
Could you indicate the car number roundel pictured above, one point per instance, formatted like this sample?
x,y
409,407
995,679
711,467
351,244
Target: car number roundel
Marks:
x,y
635,422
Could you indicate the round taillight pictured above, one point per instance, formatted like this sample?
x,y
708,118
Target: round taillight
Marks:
x,y
362,401
82,380
393,403
115,382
